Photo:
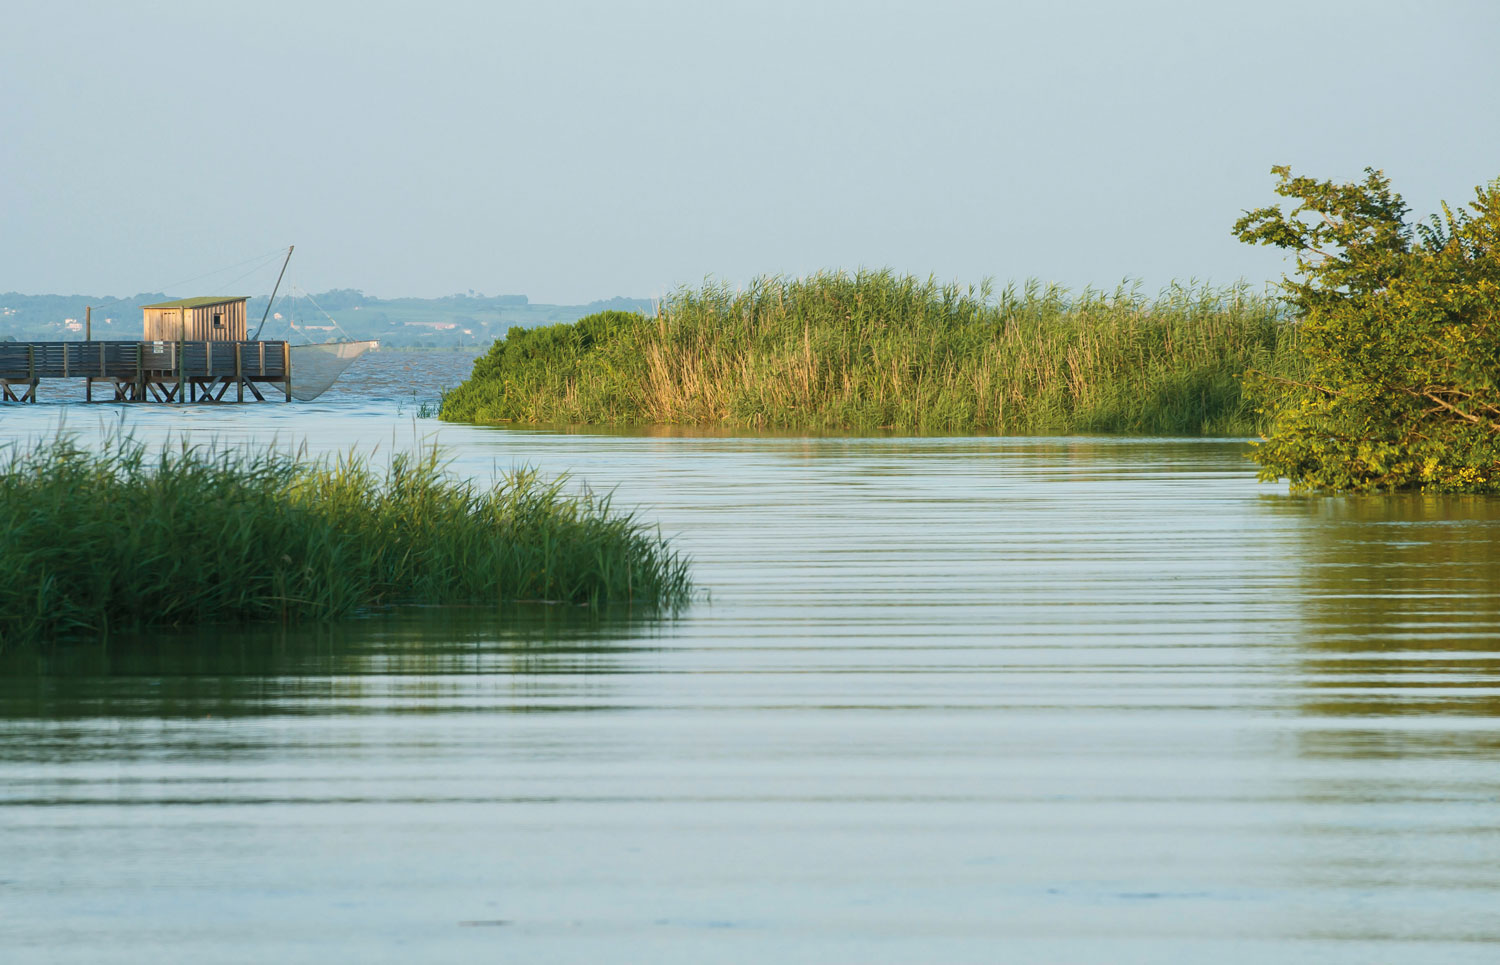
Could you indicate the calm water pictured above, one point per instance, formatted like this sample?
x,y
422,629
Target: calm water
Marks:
x,y
949,700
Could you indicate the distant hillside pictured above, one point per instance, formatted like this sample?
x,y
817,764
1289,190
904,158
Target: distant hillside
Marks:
x,y
453,320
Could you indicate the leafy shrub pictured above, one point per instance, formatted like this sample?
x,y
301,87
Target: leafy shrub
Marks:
x,y
1400,334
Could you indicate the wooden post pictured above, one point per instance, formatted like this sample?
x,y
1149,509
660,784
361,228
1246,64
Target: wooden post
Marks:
x,y
239,374
286,367
88,323
140,371
181,347
30,373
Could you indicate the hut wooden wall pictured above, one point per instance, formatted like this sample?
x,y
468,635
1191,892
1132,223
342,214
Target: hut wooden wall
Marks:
x,y
232,329
168,325
162,324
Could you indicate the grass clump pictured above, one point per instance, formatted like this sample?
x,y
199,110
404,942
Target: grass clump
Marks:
x,y
874,350
121,537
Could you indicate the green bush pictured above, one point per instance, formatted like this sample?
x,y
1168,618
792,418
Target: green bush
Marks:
x,y
123,538
1400,332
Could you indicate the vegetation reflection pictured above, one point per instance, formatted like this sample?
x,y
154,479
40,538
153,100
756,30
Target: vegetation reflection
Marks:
x,y
398,662
1401,614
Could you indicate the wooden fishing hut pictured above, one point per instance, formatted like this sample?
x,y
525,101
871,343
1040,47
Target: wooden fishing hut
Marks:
x,y
194,350
211,319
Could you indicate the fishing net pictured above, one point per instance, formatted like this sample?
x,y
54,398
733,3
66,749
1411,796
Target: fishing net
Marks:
x,y
316,367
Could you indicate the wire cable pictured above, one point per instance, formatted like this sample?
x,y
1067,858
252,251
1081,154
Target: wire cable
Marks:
x,y
262,260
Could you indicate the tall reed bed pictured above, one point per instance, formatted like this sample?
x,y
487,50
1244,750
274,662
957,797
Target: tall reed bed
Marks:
x,y
874,350
124,537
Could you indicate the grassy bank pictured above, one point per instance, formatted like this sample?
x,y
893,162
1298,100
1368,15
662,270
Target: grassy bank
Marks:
x,y
123,537
879,351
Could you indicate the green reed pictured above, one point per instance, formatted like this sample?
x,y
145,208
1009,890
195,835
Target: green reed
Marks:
x,y
124,537
875,350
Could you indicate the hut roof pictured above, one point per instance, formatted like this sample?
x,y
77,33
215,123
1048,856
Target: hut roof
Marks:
x,y
202,301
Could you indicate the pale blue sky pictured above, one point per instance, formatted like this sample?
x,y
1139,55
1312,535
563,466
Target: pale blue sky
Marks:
x,y
572,151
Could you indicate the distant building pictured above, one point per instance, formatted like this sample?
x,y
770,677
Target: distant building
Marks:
x,y
208,319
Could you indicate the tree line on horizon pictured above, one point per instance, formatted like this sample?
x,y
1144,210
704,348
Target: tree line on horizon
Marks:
x,y
471,319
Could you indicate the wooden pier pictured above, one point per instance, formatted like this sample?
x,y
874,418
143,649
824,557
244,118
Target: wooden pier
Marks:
x,y
150,371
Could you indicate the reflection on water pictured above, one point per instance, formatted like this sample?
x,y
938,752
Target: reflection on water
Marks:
x,y
413,660
1384,573
1401,611
956,700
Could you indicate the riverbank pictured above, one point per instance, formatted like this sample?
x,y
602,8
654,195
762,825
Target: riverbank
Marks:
x,y
119,536
874,350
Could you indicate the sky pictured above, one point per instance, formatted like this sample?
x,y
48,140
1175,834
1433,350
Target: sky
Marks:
x,y
572,151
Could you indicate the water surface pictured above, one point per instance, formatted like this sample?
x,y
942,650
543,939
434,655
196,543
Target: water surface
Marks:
x,y
948,700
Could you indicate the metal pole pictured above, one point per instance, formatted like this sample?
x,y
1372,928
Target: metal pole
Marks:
x,y
264,315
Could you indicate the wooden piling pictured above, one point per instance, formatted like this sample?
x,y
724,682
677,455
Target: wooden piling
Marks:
x,y
181,350
88,336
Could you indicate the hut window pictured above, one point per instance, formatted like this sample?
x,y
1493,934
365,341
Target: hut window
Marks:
x,y
218,320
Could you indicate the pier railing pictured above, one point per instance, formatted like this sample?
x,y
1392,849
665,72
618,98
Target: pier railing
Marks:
x,y
146,371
